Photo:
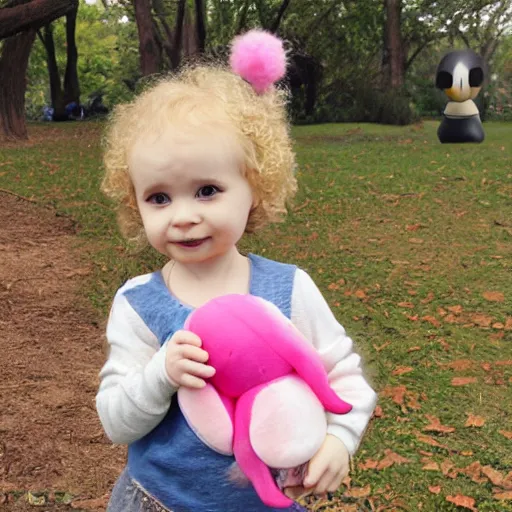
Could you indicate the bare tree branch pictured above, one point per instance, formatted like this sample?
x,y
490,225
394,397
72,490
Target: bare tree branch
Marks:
x,y
275,26
242,19
32,15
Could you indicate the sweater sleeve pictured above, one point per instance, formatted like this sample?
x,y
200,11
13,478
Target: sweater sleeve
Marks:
x,y
313,317
135,392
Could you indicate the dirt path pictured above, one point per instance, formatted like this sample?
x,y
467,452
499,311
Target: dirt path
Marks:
x,y
51,350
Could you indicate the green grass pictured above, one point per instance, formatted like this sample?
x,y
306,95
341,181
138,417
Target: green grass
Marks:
x,y
384,216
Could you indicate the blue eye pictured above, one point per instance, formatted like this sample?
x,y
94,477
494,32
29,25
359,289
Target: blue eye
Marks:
x,y
207,191
159,198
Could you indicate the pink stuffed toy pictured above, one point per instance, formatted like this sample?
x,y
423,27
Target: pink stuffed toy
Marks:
x,y
266,402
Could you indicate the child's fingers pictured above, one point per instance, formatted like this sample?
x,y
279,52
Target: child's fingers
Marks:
x,y
186,338
190,381
196,369
193,353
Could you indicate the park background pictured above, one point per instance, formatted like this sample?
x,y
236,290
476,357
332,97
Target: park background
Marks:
x,y
409,240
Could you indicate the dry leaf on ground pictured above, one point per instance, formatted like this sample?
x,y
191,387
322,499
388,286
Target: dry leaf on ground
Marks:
x,y
358,492
435,489
462,501
402,370
436,426
507,495
474,421
391,458
494,296
508,435
463,381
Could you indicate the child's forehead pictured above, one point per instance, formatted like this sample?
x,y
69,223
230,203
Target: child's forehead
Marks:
x,y
172,149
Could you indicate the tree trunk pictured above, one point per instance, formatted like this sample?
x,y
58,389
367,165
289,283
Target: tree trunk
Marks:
x,y
190,44
32,15
178,35
393,61
71,84
200,25
56,94
150,56
13,68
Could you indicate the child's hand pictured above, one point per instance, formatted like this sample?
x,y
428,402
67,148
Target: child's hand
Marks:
x,y
185,361
328,467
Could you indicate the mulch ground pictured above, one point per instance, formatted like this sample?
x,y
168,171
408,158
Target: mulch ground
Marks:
x,y
51,350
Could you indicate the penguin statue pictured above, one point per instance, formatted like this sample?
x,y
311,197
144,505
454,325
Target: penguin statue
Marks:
x,y
460,75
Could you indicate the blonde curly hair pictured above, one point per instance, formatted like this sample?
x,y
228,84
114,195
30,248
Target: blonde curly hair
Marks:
x,y
199,96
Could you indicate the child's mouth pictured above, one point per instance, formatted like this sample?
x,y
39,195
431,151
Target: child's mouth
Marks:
x,y
192,243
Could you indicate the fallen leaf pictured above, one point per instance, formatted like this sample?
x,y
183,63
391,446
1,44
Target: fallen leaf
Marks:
x,y
428,298
401,370
377,413
458,365
381,347
473,471
391,458
481,320
508,324
436,426
430,441
456,310
409,305
431,320
448,469
35,501
508,435
474,421
503,363
413,349
358,492
368,464
463,381
451,319
486,367
507,495
360,294
396,393
413,227
494,476
431,466
462,501
416,240
494,296
435,489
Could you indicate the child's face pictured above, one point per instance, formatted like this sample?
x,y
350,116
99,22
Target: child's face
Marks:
x,y
195,205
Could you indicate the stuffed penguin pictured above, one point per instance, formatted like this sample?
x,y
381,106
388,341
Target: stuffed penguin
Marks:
x,y
460,75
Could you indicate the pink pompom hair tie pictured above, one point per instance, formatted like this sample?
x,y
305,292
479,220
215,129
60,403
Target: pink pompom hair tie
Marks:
x,y
259,58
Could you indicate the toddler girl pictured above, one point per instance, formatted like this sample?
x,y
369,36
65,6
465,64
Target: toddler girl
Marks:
x,y
194,163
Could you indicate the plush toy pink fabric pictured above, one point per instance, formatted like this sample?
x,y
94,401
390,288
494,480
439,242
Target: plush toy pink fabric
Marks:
x,y
266,402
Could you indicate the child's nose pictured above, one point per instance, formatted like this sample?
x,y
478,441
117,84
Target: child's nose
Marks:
x,y
184,214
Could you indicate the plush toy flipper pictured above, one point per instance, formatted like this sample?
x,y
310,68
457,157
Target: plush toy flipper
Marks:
x,y
288,423
253,467
289,343
210,416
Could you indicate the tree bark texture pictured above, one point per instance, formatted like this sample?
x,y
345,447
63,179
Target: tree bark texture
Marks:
x,y
393,61
150,55
32,15
71,83
56,94
200,25
13,68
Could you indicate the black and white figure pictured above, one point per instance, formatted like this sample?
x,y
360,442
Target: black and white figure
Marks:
x,y
460,75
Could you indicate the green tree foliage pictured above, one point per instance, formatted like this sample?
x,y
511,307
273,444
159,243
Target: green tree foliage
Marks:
x,y
343,39
107,62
